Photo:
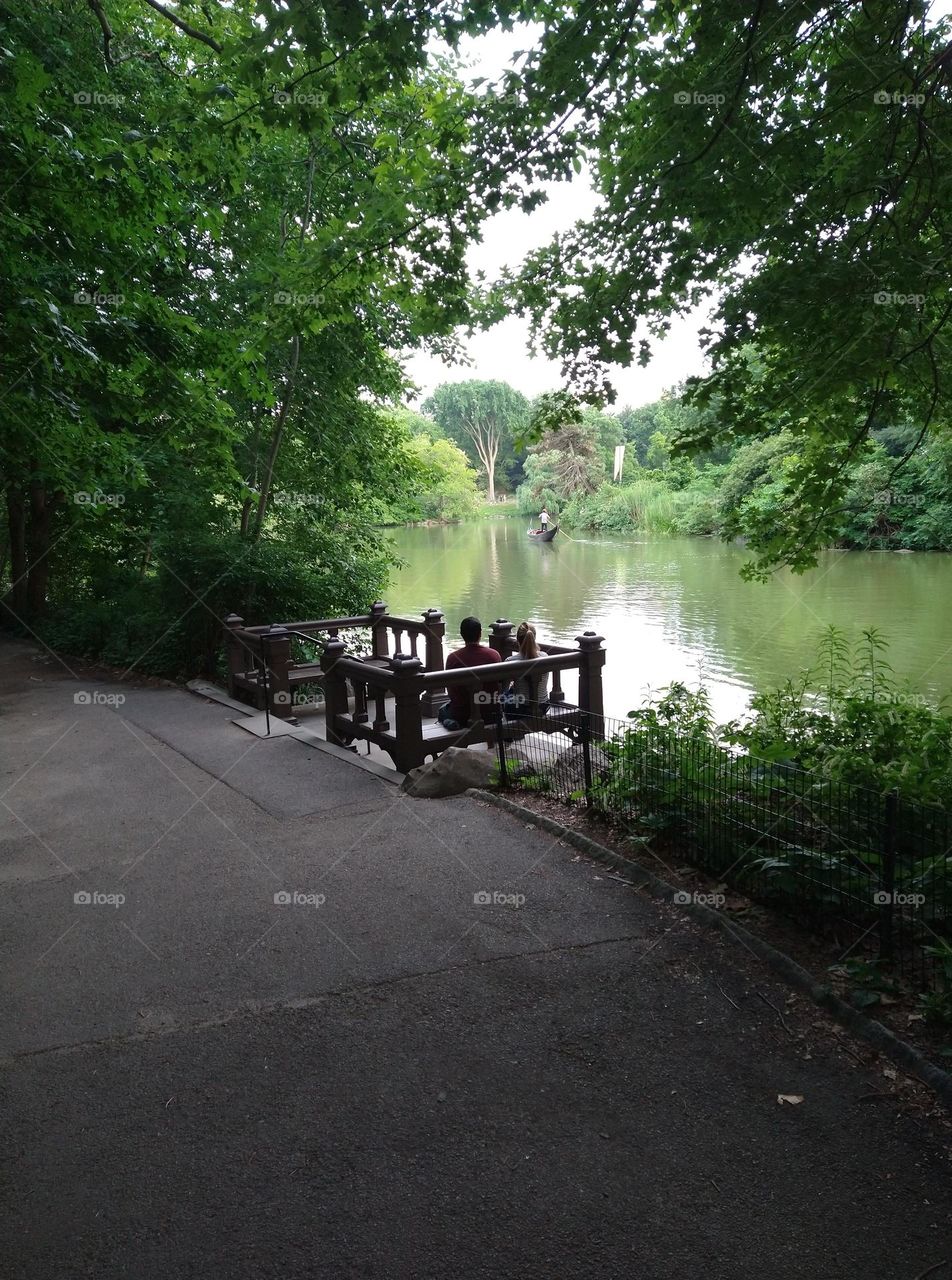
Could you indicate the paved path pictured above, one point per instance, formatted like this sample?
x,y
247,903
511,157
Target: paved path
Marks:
x,y
399,1081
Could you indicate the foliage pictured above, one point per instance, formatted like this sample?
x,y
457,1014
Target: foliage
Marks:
x,y
568,462
782,164
862,727
222,229
485,418
446,488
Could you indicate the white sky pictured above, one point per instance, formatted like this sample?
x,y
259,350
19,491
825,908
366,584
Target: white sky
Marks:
x,y
503,351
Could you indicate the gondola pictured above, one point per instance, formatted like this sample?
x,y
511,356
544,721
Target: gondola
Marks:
x,y
544,537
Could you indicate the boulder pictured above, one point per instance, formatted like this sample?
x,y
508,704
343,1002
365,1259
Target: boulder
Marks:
x,y
457,769
452,772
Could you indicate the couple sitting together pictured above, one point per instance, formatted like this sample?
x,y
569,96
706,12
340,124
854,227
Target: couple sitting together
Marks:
x,y
523,696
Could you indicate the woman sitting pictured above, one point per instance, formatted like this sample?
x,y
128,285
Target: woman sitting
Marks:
x,y
527,695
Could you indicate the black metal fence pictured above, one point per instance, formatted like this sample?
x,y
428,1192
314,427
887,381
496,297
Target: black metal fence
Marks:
x,y
871,872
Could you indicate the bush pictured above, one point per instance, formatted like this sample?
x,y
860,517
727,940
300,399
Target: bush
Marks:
x,y
169,621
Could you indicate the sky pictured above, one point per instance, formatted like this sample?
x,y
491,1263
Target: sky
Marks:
x,y
503,352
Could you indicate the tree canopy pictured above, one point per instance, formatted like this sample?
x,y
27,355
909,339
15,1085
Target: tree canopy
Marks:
x,y
221,221
485,418
787,162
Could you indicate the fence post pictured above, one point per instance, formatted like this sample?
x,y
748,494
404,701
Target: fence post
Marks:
x,y
433,637
233,652
380,646
592,659
408,711
501,743
335,689
586,735
278,658
888,882
501,638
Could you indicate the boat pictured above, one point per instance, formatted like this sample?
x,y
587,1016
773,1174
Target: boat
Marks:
x,y
544,537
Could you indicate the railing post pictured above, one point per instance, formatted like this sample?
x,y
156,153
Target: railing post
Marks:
x,y
887,894
501,638
233,652
380,646
592,659
335,689
408,712
435,625
277,650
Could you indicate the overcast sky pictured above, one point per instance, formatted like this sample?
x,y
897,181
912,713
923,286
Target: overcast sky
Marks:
x,y
502,352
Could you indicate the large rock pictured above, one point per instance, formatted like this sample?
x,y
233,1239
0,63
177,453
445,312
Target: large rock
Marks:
x,y
457,769
452,772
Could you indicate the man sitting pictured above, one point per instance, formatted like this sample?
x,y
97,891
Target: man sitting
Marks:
x,y
457,712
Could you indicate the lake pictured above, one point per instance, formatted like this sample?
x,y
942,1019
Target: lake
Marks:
x,y
670,608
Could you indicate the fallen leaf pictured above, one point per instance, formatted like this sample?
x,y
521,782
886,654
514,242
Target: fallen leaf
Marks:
x,y
794,1099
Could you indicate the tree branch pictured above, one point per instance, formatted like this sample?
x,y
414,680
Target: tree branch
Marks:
x,y
184,26
96,6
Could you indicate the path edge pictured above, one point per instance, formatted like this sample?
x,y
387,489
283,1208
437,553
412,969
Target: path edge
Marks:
x,y
873,1033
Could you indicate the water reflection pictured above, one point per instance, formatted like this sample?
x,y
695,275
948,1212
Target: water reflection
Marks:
x,y
673,607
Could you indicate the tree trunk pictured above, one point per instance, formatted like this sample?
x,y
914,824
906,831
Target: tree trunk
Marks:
x,y
491,476
41,522
16,516
276,435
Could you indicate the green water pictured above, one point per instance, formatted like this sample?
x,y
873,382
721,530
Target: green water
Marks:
x,y
669,608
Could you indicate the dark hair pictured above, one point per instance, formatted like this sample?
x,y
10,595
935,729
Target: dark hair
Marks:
x,y
471,629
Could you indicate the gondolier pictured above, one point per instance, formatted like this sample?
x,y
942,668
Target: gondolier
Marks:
x,y
543,520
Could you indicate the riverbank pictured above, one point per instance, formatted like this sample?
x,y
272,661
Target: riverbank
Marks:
x,y
304,1013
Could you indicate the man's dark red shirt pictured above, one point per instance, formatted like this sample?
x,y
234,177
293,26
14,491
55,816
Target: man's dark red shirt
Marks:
x,y
461,700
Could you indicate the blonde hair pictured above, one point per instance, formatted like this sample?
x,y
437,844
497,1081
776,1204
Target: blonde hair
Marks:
x,y
526,640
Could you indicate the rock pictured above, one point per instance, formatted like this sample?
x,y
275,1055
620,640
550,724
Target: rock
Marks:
x,y
451,773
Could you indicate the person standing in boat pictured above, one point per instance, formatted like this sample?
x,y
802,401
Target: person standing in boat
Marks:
x,y
543,521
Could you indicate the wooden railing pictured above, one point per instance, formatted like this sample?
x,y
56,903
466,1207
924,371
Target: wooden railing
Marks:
x,y
386,695
406,688
263,672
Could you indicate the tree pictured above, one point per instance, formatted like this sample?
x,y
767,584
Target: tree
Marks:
x,y
202,282
784,162
450,486
482,417
567,463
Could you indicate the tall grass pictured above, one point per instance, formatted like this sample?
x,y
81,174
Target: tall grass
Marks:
x,y
645,505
